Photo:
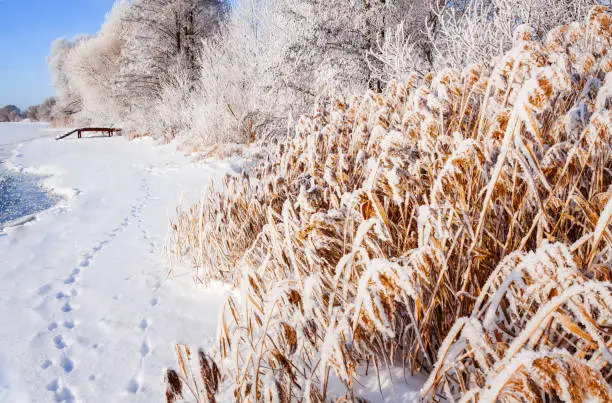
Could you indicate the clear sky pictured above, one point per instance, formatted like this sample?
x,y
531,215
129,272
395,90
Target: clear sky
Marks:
x,y
27,28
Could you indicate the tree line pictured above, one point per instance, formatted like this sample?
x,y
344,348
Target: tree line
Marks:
x,y
213,70
43,112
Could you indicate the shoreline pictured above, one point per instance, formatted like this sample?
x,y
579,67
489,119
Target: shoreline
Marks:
x,y
22,193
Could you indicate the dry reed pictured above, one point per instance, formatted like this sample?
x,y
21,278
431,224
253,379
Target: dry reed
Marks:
x,y
456,224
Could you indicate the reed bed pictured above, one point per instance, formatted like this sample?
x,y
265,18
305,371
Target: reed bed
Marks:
x,y
457,224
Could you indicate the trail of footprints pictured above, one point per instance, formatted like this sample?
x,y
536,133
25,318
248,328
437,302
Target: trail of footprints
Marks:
x,y
137,215
58,386
135,384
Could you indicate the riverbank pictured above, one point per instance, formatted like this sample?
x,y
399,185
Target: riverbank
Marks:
x,y
87,312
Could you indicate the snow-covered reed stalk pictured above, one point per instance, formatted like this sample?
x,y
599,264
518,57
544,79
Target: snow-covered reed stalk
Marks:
x,y
456,224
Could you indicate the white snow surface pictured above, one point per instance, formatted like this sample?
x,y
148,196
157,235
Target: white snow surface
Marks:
x,y
87,311
13,134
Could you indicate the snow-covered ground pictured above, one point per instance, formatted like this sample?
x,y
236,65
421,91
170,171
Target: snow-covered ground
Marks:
x,y
14,134
87,312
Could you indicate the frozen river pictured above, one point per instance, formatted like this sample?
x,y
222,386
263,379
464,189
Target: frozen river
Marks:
x,y
20,194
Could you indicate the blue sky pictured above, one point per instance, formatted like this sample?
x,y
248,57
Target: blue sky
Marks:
x,y
27,28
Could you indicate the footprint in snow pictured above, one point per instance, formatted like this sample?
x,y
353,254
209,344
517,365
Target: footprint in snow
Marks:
x,y
100,245
144,324
70,280
64,395
53,386
133,386
67,365
59,342
144,349
73,276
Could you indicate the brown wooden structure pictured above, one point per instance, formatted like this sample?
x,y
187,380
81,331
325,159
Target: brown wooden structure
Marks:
x,y
110,131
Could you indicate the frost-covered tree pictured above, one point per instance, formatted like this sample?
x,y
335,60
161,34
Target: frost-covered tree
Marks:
x,y
273,58
93,66
442,33
322,46
119,75
215,70
165,41
84,70
69,100
471,31
319,46
232,63
402,44
10,113
43,112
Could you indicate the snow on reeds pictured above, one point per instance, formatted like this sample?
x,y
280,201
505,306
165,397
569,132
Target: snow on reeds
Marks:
x,y
456,224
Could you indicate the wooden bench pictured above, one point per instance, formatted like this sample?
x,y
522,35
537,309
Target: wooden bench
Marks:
x,y
110,131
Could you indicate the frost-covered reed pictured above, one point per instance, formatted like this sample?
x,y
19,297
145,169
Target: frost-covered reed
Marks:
x,y
457,225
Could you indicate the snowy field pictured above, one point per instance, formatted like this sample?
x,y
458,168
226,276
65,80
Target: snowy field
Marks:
x,y
87,312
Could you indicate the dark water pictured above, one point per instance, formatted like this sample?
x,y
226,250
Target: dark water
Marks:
x,y
20,194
